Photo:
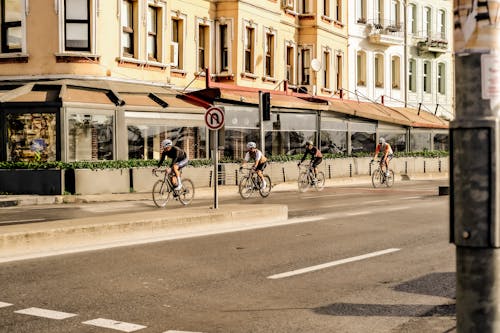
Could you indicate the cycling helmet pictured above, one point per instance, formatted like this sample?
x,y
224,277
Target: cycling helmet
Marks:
x,y
309,143
381,141
251,145
166,143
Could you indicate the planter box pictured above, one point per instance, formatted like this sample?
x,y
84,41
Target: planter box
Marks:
x,y
23,181
102,181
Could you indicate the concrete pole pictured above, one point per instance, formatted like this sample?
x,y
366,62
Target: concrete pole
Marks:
x,y
474,178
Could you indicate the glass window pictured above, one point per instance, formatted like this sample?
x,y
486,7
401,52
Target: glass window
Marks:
x,y
361,68
31,137
326,69
144,140
333,135
442,24
290,52
427,21
152,44
289,133
362,137
128,28
412,78
361,11
427,77
269,50
441,78
241,126
249,40
202,47
441,141
90,137
326,8
11,25
177,47
77,25
420,140
395,72
224,50
412,19
397,140
339,71
379,71
306,62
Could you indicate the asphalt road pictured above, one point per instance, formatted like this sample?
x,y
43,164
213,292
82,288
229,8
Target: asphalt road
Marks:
x,y
354,260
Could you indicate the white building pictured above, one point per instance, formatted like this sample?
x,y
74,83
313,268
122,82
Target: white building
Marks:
x,y
382,48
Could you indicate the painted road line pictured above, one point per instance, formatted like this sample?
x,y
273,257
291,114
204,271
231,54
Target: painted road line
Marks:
x,y
411,198
37,312
22,221
365,212
331,264
4,305
114,325
375,201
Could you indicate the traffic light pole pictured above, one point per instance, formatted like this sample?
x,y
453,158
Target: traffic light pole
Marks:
x,y
474,165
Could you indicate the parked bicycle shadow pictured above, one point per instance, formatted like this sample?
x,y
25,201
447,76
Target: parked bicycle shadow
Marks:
x,y
434,284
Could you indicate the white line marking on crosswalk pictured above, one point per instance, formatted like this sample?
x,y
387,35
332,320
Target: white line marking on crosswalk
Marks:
x,y
331,264
113,324
51,314
4,305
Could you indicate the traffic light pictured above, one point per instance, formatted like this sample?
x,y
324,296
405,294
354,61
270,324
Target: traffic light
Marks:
x,y
266,106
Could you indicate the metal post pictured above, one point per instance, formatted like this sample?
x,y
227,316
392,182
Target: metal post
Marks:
x,y
475,201
216,171
261,126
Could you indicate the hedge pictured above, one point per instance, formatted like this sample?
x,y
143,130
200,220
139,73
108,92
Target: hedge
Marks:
x,y
95,165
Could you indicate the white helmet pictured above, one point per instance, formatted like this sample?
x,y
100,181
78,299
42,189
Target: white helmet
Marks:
x,y
381,141
251,145
166,143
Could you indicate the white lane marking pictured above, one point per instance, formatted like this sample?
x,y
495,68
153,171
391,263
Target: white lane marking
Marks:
x,y
336,206
410,198
375,201
113,324
4,305
393,209
51,314
366,212
331,264
23,221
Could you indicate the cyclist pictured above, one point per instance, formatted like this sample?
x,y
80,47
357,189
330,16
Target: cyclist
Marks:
x,y
178,157
387,152
260,161
316,157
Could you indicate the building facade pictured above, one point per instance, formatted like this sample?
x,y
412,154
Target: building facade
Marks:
x,y
403,53
103,80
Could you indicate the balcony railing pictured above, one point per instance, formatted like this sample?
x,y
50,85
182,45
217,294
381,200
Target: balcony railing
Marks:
x,y
385,32
436,43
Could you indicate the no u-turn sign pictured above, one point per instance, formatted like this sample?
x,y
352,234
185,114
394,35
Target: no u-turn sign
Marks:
x,y
214,118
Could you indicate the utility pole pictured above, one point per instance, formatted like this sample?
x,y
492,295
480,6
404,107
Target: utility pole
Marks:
x,y
475,166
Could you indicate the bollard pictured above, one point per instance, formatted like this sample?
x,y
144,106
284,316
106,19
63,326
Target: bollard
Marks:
x,y
329,171
236,177
406,167
283,171
350,169
210,178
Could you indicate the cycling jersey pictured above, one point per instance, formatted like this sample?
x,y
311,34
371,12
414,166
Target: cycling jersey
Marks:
x,y
385,149
176,154
315,154
256,156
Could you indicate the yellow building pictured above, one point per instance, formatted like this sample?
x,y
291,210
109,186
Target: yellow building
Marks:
x,y
97,80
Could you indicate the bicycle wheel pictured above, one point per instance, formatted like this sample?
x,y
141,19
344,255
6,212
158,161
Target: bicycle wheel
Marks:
x,y
186,193
389,180
264,192
161,193
377,178
303,181
320,181
246,187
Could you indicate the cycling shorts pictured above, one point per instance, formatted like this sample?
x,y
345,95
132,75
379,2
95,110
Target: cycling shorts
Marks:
x,y
316,161
261,166
181,164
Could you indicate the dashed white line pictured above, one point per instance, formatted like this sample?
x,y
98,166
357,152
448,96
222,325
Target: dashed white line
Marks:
x,y
366,212
51,314
331,264
4,305
113,324
410,198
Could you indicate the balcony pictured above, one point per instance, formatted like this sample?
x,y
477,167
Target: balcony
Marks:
x,y
385,32
433,44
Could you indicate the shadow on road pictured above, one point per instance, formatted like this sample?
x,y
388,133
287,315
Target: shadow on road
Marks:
x,y
434,284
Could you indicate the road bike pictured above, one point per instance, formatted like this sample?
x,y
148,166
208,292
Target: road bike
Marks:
x,y
164,188
379,177
306,178
250,182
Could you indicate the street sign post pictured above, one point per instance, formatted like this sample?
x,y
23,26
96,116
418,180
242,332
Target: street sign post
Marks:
x,y
475,166
214,119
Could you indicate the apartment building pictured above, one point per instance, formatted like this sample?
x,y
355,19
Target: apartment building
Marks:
x,y
385,48
101,80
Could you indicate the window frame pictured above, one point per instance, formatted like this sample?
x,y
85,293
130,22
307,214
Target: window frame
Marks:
x,y
426,77
129,30
249,43
63,51
290,66
270,35
326,67
5,26
155,34
305,66
339,70
220,49
396,72
427,21
179,38
361,68
441,78
412,75
412,18
87,21
378,65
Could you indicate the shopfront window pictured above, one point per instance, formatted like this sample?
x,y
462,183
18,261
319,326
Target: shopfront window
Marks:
x,y
31,137
289,133
333,136
362,137
397,140
144,140
241,127
441,141
420,140
90,137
